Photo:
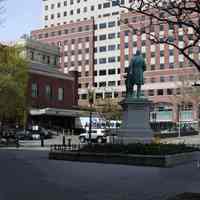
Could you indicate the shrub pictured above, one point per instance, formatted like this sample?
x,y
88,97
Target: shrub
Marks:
x,y
138,148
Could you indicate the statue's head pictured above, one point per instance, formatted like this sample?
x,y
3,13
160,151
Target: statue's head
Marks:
x,y
138,52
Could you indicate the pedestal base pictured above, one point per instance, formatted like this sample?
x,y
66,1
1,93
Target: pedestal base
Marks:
x,y
135,121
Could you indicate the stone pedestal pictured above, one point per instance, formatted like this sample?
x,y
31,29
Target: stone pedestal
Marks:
x,y
135,121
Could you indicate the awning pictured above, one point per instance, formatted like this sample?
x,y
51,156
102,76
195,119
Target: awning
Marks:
x,y
56,112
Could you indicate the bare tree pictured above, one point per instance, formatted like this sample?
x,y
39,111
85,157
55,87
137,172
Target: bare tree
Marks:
x,y
178,15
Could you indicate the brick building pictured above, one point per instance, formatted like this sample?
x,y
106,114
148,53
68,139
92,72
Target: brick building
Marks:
x,y
52,95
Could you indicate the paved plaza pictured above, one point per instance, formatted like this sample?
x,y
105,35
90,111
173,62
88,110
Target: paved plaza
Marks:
x,y
30,175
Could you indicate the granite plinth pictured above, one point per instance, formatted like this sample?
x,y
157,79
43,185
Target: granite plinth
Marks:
x,y
135,121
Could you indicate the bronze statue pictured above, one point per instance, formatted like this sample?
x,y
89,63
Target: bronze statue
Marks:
x,y
135,76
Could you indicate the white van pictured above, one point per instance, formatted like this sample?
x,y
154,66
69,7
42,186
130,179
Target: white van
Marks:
x,y
97,135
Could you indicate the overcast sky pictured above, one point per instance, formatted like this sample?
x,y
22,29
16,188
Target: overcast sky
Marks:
x,y
20,17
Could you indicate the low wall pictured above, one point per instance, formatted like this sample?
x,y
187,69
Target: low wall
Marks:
x,y
128,159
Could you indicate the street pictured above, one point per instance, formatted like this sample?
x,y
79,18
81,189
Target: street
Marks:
x,y
30,175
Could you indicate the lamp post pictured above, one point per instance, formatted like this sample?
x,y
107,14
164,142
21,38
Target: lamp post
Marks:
x,y
179,120
91,101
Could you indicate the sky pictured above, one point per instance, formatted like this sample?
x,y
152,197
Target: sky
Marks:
x,y
20,17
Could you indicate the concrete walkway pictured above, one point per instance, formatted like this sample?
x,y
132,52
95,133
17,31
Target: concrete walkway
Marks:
x,y
30,175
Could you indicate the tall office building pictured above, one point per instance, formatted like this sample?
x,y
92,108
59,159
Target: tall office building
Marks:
x,y
94,42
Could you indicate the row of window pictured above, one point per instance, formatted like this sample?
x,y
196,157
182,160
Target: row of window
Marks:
x,y
64,32
79,63
71,2
58,5
78,20
112,47
108,36
48,92
158,92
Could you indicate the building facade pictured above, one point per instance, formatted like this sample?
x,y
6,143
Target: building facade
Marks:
x,y
94,42
52,95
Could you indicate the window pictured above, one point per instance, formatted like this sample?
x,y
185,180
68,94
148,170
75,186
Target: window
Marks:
x,y
106,5
160,92
153,67
171,52
78,11
102,37
34,88
111,35
150,92
60,94
162,79
85,9
171,65
102,60
125,45
65,3
52,6
152,80
102,49
102,25
52,16
102,72
169,91
111,71
92,8
111,59
58,15
48,91
102,84
111,24
111,47
162,66
99,6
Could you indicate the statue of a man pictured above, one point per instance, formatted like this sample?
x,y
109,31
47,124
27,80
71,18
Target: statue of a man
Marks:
x,y
135,76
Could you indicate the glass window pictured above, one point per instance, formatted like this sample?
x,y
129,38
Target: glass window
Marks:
x,y
111,47
102,60
160,92
111,59
34,89
102,84
102,25
102,49
60,94
102,72
111,71
102,37
48,91
111,35
111,24
106,5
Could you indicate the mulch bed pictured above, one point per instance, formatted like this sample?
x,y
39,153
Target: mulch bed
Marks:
x,y
186,196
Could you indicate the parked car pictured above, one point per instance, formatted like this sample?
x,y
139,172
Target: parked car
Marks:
x,y
22,134
97,135
36,134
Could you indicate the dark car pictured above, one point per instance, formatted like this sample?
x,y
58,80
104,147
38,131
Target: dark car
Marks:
x,y
23,134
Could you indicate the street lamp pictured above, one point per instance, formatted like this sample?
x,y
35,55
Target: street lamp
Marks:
x,y
91,101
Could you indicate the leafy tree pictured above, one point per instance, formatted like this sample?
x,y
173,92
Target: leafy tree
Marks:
x,y
110,109
13,83
178,15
